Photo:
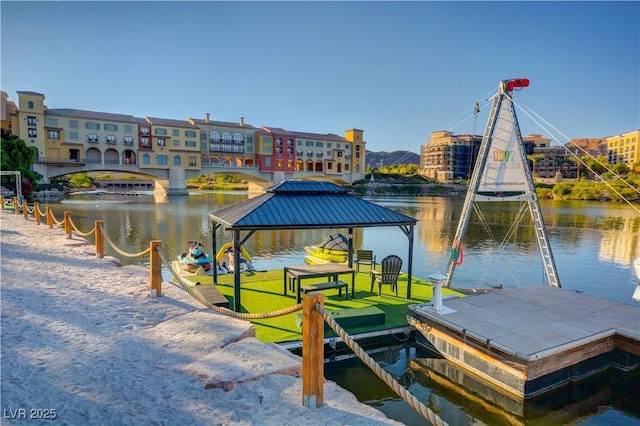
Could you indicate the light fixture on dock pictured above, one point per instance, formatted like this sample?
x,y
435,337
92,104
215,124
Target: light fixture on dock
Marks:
x,y
438,281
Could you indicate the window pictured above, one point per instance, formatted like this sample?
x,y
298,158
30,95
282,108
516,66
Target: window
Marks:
x,y
238,138
159,131
279,142
31,121
73,124
91,125
175,142
176,132
144,141
111,139
73,136
92,137
203,145
177,160
161,142
190,133
191,144
215,136
319,144
267,162
111,127
161,159
329,145
128,140
329,166
144,131
128,128
192,161
289,142
30,104
339,154
226,137
33,133
249,139
278,150
146,159
203,136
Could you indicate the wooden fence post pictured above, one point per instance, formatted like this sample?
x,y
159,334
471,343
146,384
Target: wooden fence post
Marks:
x,y
36,212
25,208
67,224
312,351
49,217
99,239
16,206
155,269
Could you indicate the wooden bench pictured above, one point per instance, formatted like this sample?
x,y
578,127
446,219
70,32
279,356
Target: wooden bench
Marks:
x,y
212,295
326,286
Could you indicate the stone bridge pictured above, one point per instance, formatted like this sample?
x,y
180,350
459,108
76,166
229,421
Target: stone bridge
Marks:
x,y
173,181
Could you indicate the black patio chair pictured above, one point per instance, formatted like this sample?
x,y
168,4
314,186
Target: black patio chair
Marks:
x,y
390,266
365,257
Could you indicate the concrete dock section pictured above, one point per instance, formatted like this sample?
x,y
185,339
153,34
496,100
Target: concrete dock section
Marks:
x,y
530,340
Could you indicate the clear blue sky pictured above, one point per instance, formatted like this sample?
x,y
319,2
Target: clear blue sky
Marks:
x,y
397,70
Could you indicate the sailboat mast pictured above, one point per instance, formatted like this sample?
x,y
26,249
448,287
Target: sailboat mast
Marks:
x,y
501,173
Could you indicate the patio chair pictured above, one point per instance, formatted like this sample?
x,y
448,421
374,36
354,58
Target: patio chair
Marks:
x,y
365,257
390,266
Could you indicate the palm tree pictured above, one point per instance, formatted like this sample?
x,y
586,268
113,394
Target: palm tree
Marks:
x,y
534,158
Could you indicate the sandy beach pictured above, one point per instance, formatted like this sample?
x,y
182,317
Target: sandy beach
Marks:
x,y
84,343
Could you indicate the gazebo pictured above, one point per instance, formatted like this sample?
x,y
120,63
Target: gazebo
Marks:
x,y
305,205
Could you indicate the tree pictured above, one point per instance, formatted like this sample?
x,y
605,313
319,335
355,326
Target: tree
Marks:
x,y
81,180
535,158
15,155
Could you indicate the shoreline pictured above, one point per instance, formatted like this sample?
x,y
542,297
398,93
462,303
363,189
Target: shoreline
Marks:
x,y
83,342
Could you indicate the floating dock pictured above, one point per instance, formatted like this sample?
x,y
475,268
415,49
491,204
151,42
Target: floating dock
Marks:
x,y
530,340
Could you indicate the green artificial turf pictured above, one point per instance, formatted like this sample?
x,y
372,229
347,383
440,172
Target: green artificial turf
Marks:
x,y
263,292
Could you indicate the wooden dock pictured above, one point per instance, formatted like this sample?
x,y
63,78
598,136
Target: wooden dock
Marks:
x,y
530,340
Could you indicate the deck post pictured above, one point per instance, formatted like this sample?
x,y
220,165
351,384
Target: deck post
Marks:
x,y
99,239
67,224
49,215
155,271
312,351
36,212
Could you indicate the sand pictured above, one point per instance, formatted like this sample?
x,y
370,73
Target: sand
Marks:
x,y
83,342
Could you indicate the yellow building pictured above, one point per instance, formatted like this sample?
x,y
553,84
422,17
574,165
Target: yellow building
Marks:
x,y
625,148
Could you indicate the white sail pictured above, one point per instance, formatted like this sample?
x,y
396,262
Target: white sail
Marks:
x,y
504,170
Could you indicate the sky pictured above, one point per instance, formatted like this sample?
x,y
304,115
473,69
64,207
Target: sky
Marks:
x,y
397,70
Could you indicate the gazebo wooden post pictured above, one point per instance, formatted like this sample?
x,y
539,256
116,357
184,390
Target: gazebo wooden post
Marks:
x,y
236,270
410,261
312,351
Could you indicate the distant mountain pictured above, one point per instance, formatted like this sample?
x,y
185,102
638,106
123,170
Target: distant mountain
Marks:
x,y
382,158
594,147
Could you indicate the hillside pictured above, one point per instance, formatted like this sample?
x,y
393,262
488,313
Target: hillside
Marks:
x,y
594,147
383,158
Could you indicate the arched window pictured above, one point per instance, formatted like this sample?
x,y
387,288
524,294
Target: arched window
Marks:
x,y
214,136
226,137
238,138
177,160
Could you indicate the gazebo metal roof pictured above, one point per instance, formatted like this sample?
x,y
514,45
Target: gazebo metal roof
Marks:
x,y
306,205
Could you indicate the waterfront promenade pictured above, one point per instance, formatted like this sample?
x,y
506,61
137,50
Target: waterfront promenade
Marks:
x,y
83,342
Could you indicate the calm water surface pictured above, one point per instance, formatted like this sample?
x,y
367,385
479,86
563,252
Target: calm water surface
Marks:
x,y
594,245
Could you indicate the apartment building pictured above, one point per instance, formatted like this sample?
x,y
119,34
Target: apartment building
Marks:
x,y
448,157
625,148
74,137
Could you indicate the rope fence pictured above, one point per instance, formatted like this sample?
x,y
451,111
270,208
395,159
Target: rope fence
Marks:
x,y
312,306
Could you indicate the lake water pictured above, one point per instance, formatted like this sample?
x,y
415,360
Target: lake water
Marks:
x,y
594,245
